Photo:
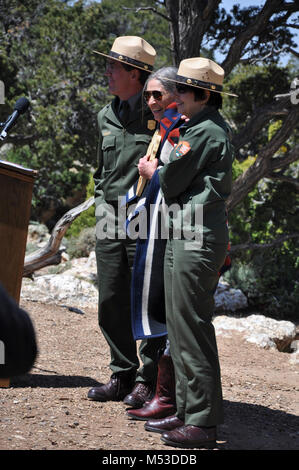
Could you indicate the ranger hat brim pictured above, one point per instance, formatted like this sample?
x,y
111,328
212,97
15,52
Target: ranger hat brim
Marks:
x,y
200,72
134,51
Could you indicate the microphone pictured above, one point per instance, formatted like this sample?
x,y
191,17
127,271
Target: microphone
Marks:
x,y
21,107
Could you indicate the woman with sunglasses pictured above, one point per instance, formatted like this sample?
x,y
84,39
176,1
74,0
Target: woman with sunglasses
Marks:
x,y
198,177
147,293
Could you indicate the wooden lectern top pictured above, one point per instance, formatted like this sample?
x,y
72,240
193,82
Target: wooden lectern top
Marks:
x,y
17,171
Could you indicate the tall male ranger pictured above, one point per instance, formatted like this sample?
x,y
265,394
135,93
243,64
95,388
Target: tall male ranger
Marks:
x,y
126,127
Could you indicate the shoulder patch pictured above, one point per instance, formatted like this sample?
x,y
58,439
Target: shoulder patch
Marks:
x,y
182,148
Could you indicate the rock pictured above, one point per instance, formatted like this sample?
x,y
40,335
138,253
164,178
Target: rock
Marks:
x,y
265,332
37,234
295,358
60,289
228,299
76,285
75,288
295,350
84,268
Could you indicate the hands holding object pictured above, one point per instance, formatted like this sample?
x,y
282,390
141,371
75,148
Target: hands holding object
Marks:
x,y
147,165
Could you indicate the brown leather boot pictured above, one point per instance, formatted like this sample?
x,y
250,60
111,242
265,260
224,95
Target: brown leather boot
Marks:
x,y
115,390
141,393
165,424
190,437
163,403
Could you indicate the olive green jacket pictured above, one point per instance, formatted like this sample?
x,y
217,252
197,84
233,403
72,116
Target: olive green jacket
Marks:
x,y
199,174
119,150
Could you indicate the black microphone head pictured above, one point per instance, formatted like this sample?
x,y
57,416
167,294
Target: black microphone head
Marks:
x,y
21,105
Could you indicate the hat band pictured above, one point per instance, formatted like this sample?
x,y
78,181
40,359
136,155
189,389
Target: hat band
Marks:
x,y
199,83
130,61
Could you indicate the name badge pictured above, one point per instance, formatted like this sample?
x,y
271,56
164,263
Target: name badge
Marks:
x,y
151,125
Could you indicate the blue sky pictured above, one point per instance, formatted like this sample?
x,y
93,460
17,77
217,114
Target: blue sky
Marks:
x,y
228,4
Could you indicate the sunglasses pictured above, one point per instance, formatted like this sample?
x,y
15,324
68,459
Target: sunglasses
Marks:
x,y
182,89
157,95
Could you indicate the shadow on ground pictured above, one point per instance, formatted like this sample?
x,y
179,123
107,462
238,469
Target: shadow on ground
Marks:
x,y
256,427
51,380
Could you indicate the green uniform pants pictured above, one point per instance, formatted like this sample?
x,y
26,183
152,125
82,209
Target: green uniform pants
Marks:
x,y
191,277
114,262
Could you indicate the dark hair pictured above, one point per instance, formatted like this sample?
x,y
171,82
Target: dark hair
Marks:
x,y
162,75
215,99
143,75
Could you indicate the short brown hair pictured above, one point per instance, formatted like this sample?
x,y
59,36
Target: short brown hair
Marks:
x,y
143,74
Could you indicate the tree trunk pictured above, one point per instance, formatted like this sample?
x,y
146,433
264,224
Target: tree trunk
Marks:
x,y
190,19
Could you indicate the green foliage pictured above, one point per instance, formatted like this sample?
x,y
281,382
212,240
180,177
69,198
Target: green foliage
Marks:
x,y
50,52
270,276
269,279
47,55
86,218
256,87
81,245
121,19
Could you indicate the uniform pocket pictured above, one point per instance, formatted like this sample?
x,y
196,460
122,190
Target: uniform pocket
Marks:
x,y
109,150
143,140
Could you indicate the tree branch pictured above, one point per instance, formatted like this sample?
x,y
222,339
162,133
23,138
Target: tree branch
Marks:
x,y
281,177
290,7
254,29
259,118
50,254
264,165
154,10
292,51
263,246
278,163
291,25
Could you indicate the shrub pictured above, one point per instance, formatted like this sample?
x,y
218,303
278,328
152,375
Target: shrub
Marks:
x,y
81,246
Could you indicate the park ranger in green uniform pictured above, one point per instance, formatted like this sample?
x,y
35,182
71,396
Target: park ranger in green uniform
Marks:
x,y
197,180
126,127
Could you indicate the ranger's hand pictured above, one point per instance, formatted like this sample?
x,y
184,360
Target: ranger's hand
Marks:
x,y
147,167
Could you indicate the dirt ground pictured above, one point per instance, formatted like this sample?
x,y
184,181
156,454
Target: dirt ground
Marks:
x,y
48,408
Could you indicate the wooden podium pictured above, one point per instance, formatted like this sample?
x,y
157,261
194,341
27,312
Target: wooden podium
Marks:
x,y
16,184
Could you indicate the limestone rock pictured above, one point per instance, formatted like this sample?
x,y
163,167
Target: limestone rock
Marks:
x,y
84,268
263,331
228,299
60,289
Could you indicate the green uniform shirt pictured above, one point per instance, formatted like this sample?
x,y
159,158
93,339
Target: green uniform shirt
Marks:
x,y
120,149
199,172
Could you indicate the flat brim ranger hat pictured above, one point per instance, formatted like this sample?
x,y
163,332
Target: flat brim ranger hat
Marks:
x,y
200,72
134,51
